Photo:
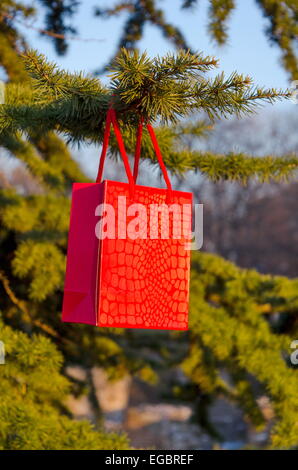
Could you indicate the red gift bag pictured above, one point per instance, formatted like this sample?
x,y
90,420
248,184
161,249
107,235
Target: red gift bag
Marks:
x,y
128,257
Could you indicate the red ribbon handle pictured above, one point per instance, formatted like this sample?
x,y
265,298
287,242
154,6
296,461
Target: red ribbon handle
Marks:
x,y
160,161
138,149
112,119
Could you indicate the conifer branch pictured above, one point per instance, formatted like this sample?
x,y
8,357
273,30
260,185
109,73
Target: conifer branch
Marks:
x,y
227,305
219,13
11,294
27,318
163,88
281,18
231,308
233,166
26,152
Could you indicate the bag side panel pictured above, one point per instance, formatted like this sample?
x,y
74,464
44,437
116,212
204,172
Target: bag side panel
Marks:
x,y
79,302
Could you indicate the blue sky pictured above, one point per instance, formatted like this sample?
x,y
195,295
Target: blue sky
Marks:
x,y
248,50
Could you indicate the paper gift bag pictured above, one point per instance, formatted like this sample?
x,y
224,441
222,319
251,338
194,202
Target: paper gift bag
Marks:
x,y
128,257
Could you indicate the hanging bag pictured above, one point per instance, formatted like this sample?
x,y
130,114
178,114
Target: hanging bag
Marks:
x,y
128,257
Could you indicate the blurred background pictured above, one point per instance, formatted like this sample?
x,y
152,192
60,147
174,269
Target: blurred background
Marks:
x,y
172,391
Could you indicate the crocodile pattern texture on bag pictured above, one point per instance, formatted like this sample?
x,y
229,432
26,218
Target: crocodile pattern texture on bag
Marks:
x,y
128,257
144,283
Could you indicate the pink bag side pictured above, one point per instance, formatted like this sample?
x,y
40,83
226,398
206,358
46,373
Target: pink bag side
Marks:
x,y
79,302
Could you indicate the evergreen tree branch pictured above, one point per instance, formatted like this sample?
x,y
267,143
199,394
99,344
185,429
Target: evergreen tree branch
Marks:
x,y
26,317
234,166
26,152
141,12
56,153
227,305
55,19
166,89
281,15
219,12
163,88
33,414
283,30
9,54
241,167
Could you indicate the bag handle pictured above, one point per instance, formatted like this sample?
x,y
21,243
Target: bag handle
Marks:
x,y
112,119
157,152
160,161
138,149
